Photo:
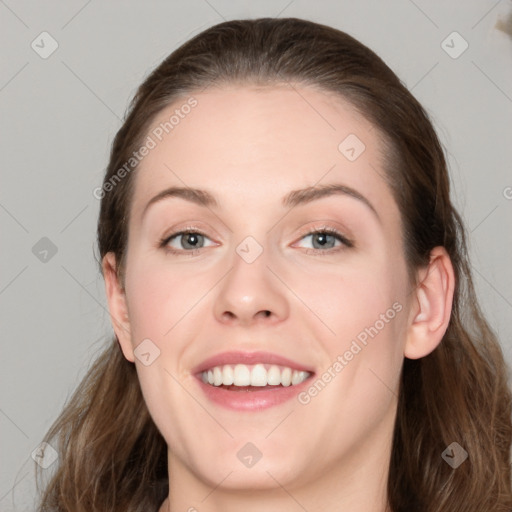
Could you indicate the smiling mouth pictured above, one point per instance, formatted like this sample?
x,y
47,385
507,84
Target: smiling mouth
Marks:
x,y
258,377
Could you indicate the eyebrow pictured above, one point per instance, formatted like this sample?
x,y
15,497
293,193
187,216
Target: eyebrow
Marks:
x,y
292,199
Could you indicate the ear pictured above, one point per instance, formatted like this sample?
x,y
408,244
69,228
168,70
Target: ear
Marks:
x,y
117,305
432,305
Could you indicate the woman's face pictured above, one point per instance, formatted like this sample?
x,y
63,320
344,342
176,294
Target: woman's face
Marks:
x,y
254,280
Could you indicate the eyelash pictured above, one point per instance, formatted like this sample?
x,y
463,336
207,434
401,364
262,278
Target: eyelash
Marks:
x,y
323,230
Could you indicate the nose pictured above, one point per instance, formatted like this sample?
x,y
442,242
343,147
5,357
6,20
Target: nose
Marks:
x,y
251,294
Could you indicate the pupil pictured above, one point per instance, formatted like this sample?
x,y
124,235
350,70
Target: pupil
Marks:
x,y
322,239
192,239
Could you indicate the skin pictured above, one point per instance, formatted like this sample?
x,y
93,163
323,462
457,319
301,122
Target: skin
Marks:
x,y
249,147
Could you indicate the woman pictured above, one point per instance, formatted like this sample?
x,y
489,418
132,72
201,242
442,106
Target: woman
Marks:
x,y
295,320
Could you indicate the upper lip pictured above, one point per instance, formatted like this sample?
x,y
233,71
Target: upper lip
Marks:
x,y
249,358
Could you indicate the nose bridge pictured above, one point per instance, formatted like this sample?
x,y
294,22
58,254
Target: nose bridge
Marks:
x,y
250,290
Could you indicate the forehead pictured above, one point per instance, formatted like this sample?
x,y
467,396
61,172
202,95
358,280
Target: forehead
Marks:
x,y
250,144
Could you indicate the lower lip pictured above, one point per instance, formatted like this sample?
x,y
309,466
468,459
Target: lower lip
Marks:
x,y
252,400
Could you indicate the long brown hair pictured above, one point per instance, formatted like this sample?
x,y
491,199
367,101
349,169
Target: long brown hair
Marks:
x,y
112,457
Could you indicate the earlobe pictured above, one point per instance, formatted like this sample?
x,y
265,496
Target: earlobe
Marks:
x,y
117,305
431,310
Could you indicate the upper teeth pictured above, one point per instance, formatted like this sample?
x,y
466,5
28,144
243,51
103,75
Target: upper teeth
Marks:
x,y
257,375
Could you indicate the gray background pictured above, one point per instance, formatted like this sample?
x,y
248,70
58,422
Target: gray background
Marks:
x,y
59,116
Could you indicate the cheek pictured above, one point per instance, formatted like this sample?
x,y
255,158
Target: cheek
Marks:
x,y
158,297
352,295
